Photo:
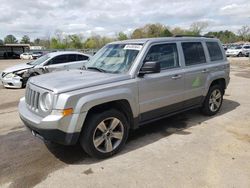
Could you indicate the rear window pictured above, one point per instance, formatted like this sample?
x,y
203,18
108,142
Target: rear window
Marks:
x,y
214,50
193,53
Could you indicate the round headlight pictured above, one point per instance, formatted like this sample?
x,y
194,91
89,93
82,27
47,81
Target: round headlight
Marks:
x,y
46,101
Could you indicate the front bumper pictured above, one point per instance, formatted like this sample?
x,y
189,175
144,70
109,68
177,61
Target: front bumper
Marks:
x,y
232,54
14,82
51,127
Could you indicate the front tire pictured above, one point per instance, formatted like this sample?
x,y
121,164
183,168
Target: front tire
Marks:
x,y
104,133
213,100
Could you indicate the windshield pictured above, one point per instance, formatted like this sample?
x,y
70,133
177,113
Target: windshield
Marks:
x,y
236,47
39,60
114,58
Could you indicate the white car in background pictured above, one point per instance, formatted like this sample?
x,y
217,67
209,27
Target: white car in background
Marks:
x,y
18,75
246,50
235,51
26,56
238,51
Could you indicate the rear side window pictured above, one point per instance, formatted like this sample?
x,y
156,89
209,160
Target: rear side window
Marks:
x,y
246,47
193,53
166,54
82,57
214,50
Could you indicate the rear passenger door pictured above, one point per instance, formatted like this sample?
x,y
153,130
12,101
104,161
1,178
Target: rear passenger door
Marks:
x,y
161,93
196,71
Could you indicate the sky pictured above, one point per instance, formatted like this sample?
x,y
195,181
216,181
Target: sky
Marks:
x,y
41,18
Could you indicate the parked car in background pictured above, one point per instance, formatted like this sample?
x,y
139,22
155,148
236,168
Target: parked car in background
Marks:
x,y
26,56
246,50
18,75
126,84
238,51
36,55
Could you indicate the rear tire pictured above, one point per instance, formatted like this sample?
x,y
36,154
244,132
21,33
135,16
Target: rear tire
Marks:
x,y
104,133
213,100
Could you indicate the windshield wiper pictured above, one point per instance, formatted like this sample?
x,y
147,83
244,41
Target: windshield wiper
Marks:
x,y
96,68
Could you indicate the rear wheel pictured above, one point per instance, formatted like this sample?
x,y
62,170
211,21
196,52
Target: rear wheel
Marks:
x,y
104,134
213,100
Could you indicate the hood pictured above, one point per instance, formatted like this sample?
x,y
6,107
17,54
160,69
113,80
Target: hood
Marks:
x,y
64,81
18,68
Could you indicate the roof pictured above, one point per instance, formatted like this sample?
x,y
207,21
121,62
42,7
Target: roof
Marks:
x,y
53,54
162,39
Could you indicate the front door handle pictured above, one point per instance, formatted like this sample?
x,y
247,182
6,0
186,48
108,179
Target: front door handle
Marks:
x,y
175,77
204,71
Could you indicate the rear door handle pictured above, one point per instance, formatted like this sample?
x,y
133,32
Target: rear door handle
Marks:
x,y
175,77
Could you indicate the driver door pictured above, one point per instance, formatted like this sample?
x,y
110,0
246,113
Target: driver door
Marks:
x,y
57,63
161,93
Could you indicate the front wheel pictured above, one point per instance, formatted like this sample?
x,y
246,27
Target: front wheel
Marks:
x,y
104,134
213,100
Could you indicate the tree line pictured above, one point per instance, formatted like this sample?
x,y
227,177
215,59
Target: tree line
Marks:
x,y
61,41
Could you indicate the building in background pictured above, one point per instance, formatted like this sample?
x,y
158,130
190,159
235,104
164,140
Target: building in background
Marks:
x,y
13,51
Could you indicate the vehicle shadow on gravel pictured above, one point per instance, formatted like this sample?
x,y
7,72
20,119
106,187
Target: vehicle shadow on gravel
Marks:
x,y
145,135
25,161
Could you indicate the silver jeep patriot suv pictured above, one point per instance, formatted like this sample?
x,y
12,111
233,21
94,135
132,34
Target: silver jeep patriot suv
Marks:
x,y
125,85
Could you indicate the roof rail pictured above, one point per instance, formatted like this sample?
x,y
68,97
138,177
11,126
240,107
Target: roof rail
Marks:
x,y
208,36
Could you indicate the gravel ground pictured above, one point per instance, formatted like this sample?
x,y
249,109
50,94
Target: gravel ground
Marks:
x,y
187,150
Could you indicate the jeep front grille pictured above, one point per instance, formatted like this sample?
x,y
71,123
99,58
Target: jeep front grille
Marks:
x,y
32,98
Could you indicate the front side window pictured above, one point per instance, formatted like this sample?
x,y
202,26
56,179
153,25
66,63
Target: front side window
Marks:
x,y
193,53
214,50
114,58
166,54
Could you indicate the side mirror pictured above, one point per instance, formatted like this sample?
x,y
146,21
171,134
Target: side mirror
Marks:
x,y
150,67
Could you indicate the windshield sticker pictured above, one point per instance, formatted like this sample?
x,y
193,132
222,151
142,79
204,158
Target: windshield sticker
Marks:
x,y
132,47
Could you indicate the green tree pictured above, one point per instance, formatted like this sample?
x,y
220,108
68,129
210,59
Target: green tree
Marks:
x,y
179,31
197,28
244,33
225,36
1,42
56,44
10,39
122,36
37,41
76,41
166,33
151,30
25,40
137,34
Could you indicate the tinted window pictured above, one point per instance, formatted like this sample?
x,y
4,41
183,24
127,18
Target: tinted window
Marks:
x,y
214,51
72,57
59,59
247,47
166,54
82,57
193,53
